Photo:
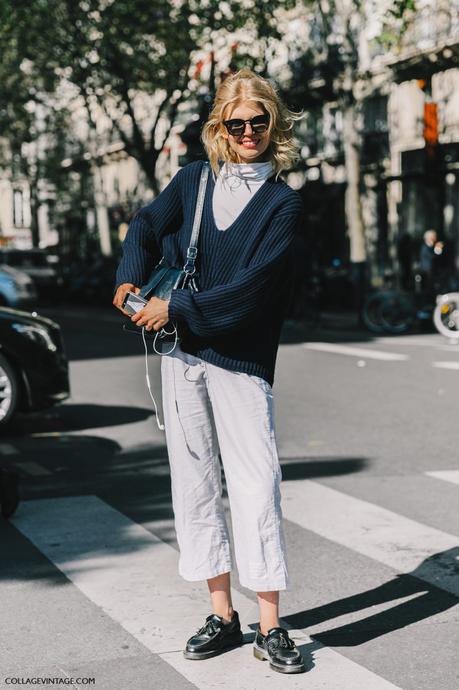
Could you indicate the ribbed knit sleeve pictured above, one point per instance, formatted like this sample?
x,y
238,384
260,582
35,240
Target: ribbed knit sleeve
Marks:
x,y
226,308
142,245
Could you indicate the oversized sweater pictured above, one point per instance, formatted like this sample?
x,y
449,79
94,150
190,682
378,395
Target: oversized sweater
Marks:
x,y
244,273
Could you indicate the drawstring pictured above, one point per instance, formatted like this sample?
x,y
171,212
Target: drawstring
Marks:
x,y
161,334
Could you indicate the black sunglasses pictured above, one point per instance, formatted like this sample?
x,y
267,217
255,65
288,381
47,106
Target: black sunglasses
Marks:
x,y
258,124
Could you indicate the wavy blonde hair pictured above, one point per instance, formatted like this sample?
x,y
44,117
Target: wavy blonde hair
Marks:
x,y
240,87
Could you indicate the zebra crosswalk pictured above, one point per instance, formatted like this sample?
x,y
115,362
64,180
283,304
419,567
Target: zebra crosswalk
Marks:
x,y
403,544
131,575
446,475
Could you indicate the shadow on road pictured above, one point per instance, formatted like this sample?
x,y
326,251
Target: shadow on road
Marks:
x,y
442,568
135,481
303,468
71,417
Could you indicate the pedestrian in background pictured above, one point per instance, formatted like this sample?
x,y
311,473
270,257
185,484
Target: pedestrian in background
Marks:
x,y
431,261
217,385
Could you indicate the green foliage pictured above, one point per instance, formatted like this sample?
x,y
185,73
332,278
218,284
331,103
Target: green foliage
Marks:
x,y
396,23
112,50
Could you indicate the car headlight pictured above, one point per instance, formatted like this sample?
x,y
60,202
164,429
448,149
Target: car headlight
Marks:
x,y
36,333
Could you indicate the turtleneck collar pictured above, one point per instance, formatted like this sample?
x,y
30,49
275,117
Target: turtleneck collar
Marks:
x,y
251,172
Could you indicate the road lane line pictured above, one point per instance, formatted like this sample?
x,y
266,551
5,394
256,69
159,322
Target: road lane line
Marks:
x,y
446,475
446,365
399,542
132,575
362,352
407,340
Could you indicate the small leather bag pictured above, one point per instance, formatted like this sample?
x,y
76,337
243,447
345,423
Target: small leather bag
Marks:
x,y
165,278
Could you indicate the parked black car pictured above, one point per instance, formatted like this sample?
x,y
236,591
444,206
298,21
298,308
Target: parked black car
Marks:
x,y
33,365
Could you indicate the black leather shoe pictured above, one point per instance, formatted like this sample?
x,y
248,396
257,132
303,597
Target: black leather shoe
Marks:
x,y
9,494
214,638
279,650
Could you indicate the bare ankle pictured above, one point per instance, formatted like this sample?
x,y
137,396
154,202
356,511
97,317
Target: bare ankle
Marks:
x,y
264,629
226,614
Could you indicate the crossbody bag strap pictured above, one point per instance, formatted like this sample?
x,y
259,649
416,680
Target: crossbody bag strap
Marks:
x,y
192,250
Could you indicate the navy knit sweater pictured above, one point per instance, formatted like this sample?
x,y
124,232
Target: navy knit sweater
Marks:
x,y
244,272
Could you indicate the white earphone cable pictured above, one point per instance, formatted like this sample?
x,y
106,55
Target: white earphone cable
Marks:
x,y
160,334
161,426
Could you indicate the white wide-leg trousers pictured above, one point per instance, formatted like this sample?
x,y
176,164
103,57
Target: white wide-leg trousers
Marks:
x,y
207,410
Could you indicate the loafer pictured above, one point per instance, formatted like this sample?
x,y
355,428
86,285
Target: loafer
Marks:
x,y
281,652
214,637
9,493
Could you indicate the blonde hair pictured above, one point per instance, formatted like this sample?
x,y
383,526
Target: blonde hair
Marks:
x,y
242,86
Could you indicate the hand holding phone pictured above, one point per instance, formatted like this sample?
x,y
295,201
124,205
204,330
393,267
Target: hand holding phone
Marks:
x,y
133,303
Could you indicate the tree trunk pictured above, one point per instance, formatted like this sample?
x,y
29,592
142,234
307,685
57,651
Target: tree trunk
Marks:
x,y
354,219
102,220
34,205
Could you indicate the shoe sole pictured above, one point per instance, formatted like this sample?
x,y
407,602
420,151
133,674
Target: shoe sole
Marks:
x,y
199,656
263,656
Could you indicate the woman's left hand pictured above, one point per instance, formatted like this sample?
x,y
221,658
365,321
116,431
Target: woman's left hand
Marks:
x,y
154,315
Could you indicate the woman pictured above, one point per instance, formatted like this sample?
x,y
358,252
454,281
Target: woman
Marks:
x,y
217,395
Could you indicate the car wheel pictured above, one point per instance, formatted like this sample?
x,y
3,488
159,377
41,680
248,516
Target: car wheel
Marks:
x,y
9,391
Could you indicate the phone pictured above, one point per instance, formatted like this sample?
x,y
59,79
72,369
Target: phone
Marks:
x,y
132,303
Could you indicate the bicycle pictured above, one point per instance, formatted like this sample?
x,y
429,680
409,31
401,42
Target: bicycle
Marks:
x,y
446,315
396,312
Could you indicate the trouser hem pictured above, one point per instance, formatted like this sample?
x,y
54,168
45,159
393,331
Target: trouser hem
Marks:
x,y
263,586
207,575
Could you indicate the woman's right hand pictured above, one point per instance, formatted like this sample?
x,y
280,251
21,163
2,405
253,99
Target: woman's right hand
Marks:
x,y
121,293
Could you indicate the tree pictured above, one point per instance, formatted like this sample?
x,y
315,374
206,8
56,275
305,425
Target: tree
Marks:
x,y
132,59
30,121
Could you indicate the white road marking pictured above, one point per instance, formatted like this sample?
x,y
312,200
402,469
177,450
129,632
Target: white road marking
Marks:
x,y
401,543
132,576
446,475
8,449
408,340
446,365
33,468
367,353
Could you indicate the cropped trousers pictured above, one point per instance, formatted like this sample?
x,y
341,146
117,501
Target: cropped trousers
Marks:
x,y
210,411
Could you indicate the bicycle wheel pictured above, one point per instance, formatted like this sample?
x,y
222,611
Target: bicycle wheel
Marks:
x,y
397,313
446,315
371,312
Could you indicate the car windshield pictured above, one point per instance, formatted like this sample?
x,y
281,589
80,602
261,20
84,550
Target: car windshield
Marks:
x,y
25,259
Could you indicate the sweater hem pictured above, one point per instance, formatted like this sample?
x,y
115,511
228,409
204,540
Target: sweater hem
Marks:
x,y
212,357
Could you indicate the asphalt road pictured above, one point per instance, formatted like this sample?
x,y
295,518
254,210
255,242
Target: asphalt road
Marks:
x,y
368,436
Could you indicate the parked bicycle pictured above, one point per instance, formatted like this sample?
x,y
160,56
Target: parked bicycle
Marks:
x,y
396,312
446,315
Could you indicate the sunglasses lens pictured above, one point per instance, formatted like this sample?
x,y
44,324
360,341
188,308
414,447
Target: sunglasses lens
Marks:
x,y
236,127
258,125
